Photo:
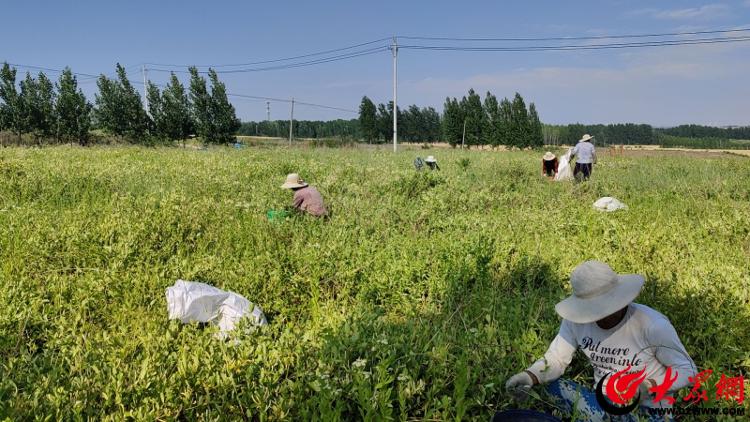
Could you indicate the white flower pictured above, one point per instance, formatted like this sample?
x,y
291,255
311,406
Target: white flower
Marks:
x,y
359,363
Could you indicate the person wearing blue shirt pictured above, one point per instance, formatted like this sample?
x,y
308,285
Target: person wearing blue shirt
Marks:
x,y
585,157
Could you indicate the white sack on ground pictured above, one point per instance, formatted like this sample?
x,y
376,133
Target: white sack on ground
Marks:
x,y
609,204
191,301
564,172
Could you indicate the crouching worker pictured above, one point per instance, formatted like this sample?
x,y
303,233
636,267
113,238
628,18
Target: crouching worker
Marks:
x,y
306,198
432,163
549,165
618,337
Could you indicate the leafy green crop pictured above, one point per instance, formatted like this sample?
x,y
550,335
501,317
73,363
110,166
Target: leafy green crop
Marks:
x,y
417,299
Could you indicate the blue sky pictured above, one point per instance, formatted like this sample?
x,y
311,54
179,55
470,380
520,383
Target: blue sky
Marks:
x,y
705,84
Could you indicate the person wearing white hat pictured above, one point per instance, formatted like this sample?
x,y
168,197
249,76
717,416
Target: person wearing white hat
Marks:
x,y
306,198
549,165
615,334
585,157
432,162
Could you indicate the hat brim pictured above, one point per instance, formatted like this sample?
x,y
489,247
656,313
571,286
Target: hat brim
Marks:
x,y
288,185
549,157
583,311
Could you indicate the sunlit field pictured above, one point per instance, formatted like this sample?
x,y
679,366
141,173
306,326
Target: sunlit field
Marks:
x,y
417,299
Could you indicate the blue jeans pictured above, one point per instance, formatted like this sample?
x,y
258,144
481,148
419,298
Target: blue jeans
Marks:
x,y
580,402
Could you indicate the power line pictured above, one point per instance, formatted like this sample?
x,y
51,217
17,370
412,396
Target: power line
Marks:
x,y
244,96
84,77
592,37
26,66
282,100
345,54
719,40
111,74
329,59
319,53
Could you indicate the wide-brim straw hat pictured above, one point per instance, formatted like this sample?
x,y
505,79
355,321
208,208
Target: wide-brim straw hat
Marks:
x,y
598,292
548,156
430,159
293,181
586,137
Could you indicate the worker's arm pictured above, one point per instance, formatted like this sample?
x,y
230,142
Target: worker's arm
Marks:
x,y
558,356
298,201
670,352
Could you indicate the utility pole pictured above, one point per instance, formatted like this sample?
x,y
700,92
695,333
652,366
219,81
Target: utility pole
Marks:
x,y
291,123
145,88
394,49
268,110
463,137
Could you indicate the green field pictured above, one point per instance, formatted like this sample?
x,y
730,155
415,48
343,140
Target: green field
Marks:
x,y
416,300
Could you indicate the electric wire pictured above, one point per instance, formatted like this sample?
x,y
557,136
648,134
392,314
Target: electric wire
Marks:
x,y
719,40
328,59
590,37
230,94
345,54
48,69
319,53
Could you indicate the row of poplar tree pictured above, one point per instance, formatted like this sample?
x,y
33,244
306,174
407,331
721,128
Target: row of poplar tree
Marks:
x,y
60,111
491,122
415,124
470,121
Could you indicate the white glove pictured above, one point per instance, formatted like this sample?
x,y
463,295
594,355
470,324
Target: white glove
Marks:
x,y
519,385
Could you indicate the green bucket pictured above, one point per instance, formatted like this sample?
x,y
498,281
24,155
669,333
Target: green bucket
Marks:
x,y
276,215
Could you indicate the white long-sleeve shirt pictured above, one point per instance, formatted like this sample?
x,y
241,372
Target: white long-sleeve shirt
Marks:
x,y
584,152
643,339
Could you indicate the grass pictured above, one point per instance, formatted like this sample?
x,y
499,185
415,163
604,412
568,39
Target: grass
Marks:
x,y
420,296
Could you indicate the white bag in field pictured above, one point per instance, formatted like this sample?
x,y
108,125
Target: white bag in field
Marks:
x,y
609,204
564,172
191,301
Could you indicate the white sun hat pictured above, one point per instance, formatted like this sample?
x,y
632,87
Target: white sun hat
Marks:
x,y
598,292
430,159
548,156
293,181
586,137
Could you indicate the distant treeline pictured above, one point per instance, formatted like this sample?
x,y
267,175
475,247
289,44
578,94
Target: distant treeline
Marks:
x,y
669,141
38,109
620,133
414,125
302,128
698,131
60,112
476,122
470,121
688,136
427,125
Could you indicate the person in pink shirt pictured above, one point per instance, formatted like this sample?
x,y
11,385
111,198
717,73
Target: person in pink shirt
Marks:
x,y
306,198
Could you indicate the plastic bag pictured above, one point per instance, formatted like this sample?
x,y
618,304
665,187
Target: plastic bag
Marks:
x,y
564,172
609,204
191,301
